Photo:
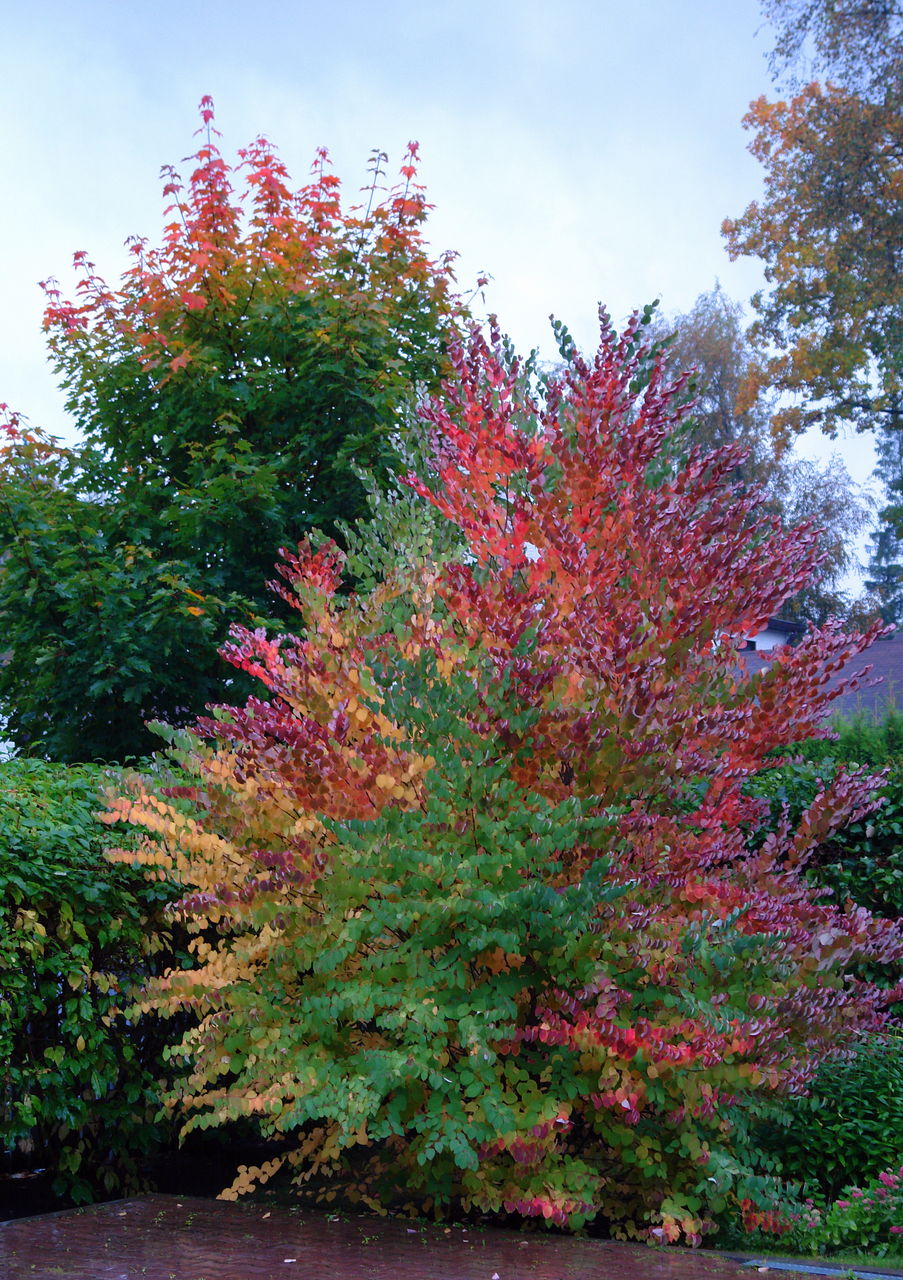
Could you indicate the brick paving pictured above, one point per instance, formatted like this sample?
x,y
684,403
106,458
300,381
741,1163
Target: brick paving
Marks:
x,y
161,1237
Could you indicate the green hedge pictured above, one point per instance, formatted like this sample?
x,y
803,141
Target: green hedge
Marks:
x,y
862,739
78,1092
849,1128
865,860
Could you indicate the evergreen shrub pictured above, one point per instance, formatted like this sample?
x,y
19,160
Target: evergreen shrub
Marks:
x,y
78,1078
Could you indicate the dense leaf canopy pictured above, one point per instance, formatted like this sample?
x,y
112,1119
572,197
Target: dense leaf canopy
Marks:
x,y
856,43
227,391
830,233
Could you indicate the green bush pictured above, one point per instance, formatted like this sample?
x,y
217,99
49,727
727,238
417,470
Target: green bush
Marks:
x,y
863,739
77,1079
849,1128
864,861
862,1220
869,1218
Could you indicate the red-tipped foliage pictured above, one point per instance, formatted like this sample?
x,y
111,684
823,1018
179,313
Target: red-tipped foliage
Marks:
x,y
484,867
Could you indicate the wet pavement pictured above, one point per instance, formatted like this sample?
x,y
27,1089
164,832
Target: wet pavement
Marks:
x,y
161,1237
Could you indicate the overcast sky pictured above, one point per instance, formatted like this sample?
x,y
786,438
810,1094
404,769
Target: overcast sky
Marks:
x,y
577,151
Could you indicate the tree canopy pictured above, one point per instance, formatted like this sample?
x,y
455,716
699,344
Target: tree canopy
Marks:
x,y
857,43
829,231
228,390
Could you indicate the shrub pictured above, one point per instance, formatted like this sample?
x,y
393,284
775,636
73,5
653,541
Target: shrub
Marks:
x,y
79,1091
850,1127
868,1217
876,742
475,913
864,860
865,1219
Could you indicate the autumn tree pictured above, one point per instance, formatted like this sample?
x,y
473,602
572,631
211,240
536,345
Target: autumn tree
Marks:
x,y
732,406
829,231
824,495
228,390
476,919
855,43
728,406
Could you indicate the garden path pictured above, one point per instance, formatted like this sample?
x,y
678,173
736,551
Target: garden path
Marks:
x,y
161,1237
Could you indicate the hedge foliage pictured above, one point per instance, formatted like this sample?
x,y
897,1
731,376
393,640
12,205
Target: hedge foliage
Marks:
x,y
864,860
78,1092
850,1126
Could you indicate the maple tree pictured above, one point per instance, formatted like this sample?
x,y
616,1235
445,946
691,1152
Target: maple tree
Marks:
x,y
474,906
228,390
99,632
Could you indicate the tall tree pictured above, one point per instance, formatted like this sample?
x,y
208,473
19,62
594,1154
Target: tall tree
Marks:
x,y
830,233
729,405
856,43
732,405
227,390
823,495
885,566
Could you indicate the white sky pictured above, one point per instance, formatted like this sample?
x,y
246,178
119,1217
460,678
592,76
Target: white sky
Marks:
x,y
578,151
